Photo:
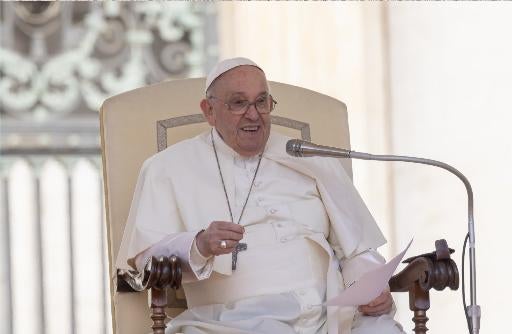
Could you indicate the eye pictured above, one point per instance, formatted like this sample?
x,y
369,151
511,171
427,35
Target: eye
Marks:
x,y
238,103
262,100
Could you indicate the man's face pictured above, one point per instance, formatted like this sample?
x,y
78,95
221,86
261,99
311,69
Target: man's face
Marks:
x,y
248,133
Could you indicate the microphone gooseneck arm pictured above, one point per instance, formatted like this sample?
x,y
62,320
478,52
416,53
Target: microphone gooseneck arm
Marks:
x,y
300,148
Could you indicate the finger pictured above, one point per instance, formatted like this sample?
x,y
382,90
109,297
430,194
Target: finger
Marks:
x,y
229,235
218,249
230,244
377,312
382,298
216,236
229,226
379,309
379,300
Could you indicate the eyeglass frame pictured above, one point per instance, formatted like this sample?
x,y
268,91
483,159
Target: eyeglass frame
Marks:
x,y
273,104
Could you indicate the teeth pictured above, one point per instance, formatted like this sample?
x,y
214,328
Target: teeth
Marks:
x,y
250,128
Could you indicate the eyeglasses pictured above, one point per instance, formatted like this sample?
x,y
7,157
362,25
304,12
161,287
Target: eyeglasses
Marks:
x,y
263,104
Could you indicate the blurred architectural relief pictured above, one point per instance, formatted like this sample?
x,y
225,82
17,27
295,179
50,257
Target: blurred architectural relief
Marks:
x,y
58,62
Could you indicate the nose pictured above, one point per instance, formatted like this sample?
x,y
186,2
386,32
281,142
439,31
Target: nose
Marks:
x,y
252,113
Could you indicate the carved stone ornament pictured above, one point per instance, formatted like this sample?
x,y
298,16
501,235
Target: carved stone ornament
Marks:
x,y
61,60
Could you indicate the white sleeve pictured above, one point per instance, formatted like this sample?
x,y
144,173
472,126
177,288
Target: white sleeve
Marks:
x,y
154,217
181,244
353,268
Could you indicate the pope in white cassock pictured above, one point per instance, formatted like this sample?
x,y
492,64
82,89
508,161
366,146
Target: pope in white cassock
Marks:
x,y
264,238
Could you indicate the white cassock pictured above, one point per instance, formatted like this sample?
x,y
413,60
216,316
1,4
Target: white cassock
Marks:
x,y
303,222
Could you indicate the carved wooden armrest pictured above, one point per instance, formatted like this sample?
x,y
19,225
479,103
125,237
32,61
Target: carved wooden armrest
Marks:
x,y
424,272
158,275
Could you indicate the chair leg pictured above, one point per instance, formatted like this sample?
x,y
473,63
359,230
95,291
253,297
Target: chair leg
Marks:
x,y
158,305
419,302
420,321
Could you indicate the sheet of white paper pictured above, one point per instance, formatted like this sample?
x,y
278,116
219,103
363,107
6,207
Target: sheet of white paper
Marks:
x,y
369,286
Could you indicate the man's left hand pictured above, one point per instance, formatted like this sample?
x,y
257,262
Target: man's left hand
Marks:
x,y
379,306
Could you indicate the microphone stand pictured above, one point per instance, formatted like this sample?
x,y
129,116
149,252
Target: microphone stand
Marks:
x,y
300,148
473,310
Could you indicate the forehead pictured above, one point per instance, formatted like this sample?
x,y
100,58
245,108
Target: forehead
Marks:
x,y
248,80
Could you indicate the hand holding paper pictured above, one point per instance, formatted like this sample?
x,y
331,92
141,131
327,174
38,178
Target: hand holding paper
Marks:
x,y
369,286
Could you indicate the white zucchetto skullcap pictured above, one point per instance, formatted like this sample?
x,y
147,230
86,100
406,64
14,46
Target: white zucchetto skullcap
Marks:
x,y
224,66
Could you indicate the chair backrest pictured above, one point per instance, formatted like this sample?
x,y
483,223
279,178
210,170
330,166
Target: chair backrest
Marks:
x,y
138,123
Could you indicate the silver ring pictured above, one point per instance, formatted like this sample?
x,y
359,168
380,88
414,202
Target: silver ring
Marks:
x,y
223,244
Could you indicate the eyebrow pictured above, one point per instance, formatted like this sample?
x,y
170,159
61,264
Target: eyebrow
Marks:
x,y
242,93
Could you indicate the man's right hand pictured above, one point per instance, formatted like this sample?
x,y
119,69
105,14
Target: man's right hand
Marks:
x,y
209,241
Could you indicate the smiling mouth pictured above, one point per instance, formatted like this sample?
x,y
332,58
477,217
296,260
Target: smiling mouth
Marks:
x,y
250,128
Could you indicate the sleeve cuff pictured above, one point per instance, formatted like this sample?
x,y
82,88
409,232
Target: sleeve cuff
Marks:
x,y
201,266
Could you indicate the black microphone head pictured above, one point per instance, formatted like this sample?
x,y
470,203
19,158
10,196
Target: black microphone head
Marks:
x,y
293,147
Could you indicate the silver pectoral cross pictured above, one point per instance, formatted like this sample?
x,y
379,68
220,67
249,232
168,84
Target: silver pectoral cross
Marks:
x,y
240,247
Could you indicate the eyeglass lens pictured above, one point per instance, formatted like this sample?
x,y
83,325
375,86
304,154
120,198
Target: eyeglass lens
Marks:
x,y
263,104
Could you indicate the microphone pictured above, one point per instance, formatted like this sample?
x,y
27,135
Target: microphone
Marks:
x,y
301,148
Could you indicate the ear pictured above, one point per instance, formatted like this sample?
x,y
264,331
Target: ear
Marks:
x,y
207,111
